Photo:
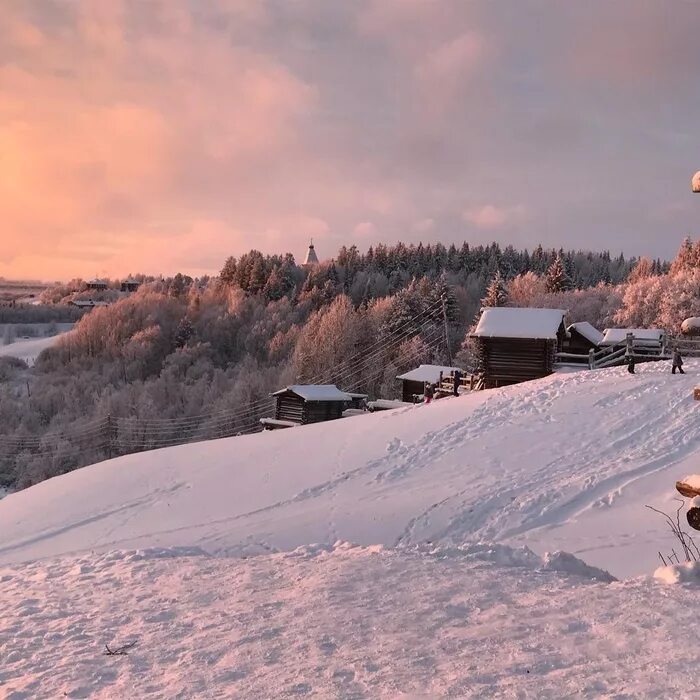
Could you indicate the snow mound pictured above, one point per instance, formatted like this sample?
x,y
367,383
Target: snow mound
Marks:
x,y
504,556
566,563
693,480
679,573
691,326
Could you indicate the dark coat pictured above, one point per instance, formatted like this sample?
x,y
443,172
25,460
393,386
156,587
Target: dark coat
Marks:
x,y
677,359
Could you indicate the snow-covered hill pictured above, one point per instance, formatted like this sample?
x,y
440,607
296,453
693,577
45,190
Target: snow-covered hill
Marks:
x,y
565,463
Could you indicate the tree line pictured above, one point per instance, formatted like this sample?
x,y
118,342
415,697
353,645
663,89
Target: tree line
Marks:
x,y
183,347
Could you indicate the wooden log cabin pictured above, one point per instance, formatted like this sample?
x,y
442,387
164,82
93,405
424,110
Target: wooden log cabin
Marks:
x,y
515,345
302,404
582,337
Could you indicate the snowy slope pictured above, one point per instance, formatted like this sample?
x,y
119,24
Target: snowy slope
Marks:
x,y
29,349
567,462
124,551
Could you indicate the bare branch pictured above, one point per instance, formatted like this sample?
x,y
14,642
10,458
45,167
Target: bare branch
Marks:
x,y
119,651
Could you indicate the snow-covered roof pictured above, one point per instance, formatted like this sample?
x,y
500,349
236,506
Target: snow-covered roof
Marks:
x,y
690,324
510,322
618,336
589,332
428,373
98,281
316,392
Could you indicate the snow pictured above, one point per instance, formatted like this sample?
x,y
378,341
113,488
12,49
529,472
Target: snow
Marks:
x,y
27,350
317,392
588,331
228,562
693,480
336,621
429,373
690,324
642,336
688,572
507,322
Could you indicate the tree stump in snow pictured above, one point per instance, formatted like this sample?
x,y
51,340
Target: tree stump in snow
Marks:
x,y
693,516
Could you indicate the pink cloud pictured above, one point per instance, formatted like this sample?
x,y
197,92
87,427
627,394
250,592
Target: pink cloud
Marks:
x,y
489,216
364,229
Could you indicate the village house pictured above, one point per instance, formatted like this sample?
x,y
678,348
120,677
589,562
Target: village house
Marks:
x,y
582,337
97,284
516,344
129,285
302,404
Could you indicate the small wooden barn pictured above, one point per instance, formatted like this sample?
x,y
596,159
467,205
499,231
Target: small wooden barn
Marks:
x,y
515,345
129,285
413,382
97,284
302,404
582,337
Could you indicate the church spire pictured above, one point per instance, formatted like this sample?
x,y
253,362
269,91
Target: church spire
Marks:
x,y
311,257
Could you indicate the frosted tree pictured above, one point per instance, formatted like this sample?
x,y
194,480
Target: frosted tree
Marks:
x,y
687,257
643,268
526,289
496,292
557,280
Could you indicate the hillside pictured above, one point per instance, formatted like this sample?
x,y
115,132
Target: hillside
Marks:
x,y
125,550
567,462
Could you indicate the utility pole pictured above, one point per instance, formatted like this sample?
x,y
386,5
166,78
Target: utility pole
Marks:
x,y
447,335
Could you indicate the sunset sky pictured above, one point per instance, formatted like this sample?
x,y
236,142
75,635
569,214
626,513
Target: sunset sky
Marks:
x,y
164,135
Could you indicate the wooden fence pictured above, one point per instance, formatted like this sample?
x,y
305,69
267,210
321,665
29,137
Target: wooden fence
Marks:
x,y
642,350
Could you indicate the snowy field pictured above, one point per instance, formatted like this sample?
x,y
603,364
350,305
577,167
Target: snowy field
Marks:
x,y
222,603
28,349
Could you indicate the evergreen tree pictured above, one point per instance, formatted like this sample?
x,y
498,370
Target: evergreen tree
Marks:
x,y
228,272
496,292
557,280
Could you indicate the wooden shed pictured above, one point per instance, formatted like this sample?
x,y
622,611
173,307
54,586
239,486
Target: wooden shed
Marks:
x,y
413,382
515,345
582,337
302,404
129,285
97,284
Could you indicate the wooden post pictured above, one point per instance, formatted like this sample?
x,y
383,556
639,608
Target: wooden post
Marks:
x,y
447,336
109,436
630,344
591,358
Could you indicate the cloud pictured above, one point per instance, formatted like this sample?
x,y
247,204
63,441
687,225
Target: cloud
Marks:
x,y
489,216
171,134
364,229
424,225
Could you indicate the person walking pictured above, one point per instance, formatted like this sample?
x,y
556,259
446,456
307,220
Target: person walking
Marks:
x,y
677,361
457,380
428,392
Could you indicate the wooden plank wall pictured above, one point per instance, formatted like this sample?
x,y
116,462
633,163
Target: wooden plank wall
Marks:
x,y
508,361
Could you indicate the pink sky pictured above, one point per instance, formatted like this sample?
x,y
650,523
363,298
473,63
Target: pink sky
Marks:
x,y
163,136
